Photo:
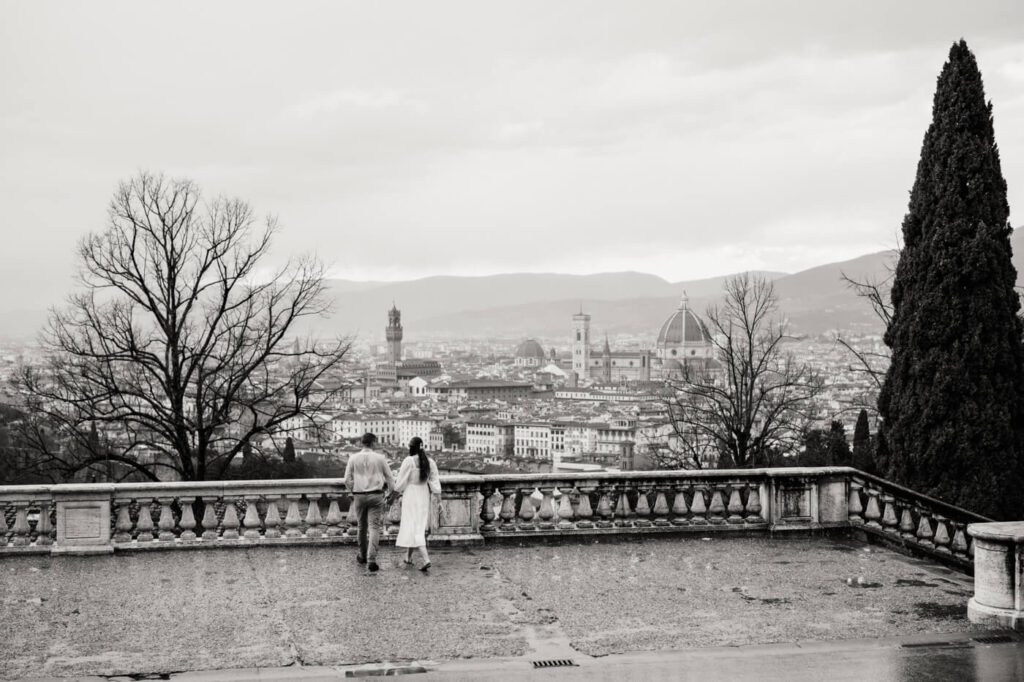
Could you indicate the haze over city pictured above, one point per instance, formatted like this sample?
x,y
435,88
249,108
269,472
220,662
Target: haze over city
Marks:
x,y
684,141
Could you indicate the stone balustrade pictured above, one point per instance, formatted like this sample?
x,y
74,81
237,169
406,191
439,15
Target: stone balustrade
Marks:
x,y
103,518
912,520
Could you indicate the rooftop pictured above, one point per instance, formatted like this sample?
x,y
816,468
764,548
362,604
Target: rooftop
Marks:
x,y
270,607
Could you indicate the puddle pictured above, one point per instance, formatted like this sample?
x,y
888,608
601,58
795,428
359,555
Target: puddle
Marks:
x,y
928,609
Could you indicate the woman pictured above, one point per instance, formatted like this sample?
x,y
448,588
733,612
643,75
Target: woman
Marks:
x,y
416,479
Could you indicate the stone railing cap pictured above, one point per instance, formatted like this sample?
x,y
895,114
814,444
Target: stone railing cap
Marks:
x,y
1005,531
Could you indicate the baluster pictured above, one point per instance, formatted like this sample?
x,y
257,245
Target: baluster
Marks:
x,y
584,513
21,530
565,510
698,510
679,508
526,511
753,507
293,520
352,520
546,514
335,519
272,522
924,530
44,528
735,507
907,524
3,524
872,514
251,521
643,509
508,508
166,521
394,515
716,510
856,511
889,520
188,519
313,516
959,545
145,522
123,527
210,518
660,509
230,522
623,513
941,538
487,514
604,506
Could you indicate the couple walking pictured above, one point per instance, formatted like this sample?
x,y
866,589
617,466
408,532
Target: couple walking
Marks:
x,y
368,476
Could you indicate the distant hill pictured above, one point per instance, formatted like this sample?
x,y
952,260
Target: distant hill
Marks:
x,y
541,304
427,303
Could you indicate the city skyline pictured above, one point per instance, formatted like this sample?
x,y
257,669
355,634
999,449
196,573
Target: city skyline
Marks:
x,y
685,142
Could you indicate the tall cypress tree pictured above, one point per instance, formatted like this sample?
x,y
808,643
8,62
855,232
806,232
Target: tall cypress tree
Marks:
x,y
953,395
862,455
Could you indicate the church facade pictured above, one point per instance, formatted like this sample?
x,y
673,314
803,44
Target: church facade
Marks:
x,y
682,340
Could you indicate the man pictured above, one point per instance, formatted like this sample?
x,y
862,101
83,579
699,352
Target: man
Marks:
x,y
367,476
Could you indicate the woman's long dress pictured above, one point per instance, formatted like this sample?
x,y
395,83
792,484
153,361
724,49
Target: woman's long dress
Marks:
x,y
412,530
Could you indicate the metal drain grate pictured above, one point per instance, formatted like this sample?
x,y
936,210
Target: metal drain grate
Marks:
x,y
554,663
993,639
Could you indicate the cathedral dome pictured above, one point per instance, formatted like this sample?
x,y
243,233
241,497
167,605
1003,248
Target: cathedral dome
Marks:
x,y
683,326
530,349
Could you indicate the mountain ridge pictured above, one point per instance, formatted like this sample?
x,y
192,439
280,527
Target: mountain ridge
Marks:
x,y
517,305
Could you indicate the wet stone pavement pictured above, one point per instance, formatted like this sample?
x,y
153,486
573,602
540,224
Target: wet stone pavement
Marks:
x,y
173,611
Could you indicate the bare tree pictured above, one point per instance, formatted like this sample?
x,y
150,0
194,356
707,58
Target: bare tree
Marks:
x,y
876,293
754,401
180,349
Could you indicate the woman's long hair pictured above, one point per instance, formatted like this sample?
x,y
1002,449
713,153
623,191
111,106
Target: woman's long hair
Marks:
x,y
416,448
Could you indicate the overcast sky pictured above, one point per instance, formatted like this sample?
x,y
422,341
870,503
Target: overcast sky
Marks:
x,y
399,140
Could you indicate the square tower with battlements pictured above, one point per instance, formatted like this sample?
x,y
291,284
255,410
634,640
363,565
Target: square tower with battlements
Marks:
x,y
581,345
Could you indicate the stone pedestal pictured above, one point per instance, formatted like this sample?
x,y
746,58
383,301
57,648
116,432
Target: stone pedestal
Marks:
x,y
83,519
998,574
456,518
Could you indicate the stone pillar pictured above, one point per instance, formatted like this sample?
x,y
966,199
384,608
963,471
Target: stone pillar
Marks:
x,y
998,599
457,518
83,518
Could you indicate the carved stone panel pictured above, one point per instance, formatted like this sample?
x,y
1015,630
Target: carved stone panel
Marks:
x,y
796,503
83,526
83,523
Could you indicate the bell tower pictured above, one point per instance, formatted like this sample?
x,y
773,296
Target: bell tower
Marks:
x,y
393,332
581,345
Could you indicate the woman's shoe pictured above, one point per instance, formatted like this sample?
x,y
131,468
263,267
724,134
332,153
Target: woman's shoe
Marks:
x,y
425,567
406,562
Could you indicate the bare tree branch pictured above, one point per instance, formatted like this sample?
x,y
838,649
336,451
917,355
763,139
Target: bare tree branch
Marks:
x,y
754,401
179,345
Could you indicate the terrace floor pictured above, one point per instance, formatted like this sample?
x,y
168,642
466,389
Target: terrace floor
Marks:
x,y
491,608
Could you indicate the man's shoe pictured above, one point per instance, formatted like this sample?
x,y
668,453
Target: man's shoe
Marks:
x,y
360,559
373,567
